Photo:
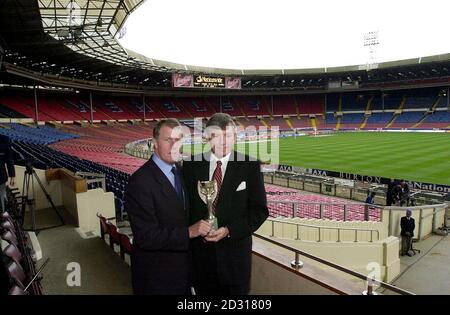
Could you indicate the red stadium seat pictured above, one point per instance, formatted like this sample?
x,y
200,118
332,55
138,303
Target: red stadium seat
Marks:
x,y
114,238
125,245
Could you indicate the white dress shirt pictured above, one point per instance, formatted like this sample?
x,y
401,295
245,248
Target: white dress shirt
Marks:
x,y
213,164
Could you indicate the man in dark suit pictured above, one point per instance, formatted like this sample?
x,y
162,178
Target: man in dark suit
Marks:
x,y
157,206
6,158
407,225
222,259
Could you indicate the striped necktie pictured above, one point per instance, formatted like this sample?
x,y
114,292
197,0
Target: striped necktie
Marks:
x,y
217,176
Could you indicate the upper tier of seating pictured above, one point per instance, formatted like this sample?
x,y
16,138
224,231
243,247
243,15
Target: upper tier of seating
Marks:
x,y
53,107
390,100
7,112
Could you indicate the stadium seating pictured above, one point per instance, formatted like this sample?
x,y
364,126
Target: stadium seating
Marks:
x,y
309,205
438,119
251,106
104,144
378,120
423,98
224,104
44,157
331,121
70,107
24,106
116,236
41,134
407,119
332,104
197,107
351,121
302,122
284,105
7,112
354,101
279,122
392,99
310,104
320,121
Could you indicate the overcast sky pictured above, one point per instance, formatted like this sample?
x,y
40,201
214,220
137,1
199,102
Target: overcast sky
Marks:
x,y
286,34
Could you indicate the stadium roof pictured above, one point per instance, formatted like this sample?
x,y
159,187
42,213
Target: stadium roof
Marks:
x,y
77,40
90,27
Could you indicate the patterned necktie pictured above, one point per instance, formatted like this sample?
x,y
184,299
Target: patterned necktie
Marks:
x,y
217,176
177,187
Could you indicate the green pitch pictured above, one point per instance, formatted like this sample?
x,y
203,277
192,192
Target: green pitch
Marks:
x,y
423,157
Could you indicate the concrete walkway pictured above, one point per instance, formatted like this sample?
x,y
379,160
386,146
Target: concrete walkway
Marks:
x,y
427,272
102,270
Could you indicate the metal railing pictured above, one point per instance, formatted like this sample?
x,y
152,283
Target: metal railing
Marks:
x,y
297,264
321,228
134,149
345,208
328,186
93,180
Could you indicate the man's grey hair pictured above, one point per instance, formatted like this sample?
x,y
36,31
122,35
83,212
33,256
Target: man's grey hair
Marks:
x,y
220,120
170,122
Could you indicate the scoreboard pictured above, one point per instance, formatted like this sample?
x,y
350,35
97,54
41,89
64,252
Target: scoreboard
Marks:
x,y
205,81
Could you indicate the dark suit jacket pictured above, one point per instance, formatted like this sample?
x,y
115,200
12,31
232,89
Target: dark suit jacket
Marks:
x,y
242,212
160,260
6,157
407,226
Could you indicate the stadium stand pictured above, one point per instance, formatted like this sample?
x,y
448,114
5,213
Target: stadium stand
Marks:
x,y
407,119
330,121
6,112
284,105
253,106
393,99
424,98
309,205
270,109
40,135
332,103
351,121
378,120
44,157
438,119
354,101
280,122
310,104
104,144
301,122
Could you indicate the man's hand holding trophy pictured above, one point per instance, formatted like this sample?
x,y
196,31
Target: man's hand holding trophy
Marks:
x,y
207,191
